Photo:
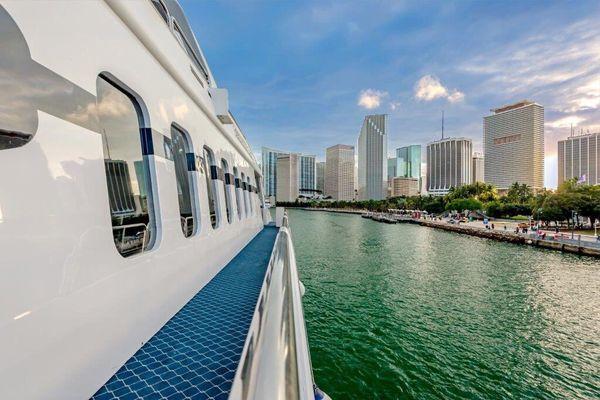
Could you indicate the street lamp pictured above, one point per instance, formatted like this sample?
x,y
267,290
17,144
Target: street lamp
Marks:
x,y
573,216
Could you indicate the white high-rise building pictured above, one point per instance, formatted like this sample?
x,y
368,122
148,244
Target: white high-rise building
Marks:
x,y
449,164
477,168
288,170
579,157
269,169
339,172
372,158
513,139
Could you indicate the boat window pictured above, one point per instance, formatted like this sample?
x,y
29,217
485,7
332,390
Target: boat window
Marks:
x,y
250,195
180,146
259,190
162,10
228,182
127,169
210,174
238,191
245,194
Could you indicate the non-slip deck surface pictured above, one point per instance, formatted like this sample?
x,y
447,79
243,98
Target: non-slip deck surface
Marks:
x,y
196,353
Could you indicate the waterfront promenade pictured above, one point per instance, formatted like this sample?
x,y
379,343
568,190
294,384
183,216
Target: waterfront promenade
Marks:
x,y
580,244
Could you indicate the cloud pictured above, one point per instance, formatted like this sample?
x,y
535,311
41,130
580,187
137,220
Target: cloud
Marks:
x,y
370,98
561,71
429,88
566,122
394,105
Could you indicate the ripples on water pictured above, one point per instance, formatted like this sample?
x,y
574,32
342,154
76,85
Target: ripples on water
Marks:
x,y
403,311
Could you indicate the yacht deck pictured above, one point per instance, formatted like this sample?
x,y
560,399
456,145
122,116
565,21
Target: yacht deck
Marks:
x,y
196,353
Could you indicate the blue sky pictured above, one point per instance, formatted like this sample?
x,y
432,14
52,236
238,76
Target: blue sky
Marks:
x,y
302,75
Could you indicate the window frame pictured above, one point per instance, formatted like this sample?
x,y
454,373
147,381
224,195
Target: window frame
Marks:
x,y
144,128
245,194
238,194
228,200
191,176
208,161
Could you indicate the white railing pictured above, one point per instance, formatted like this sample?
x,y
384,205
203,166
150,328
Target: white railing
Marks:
x,y
275,363
127,246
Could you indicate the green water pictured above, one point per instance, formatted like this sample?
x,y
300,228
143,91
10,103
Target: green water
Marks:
x,y
408,312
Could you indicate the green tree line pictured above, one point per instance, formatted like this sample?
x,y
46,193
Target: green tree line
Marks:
x,y
570,201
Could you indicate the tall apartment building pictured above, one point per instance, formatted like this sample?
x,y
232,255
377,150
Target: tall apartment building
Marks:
x,y
513,139
579,157
321,176
269,169
308,178
372,158
288,169
339,172
409,161
477,168
448,164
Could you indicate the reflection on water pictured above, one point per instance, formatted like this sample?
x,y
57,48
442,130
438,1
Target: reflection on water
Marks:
x,y
402,311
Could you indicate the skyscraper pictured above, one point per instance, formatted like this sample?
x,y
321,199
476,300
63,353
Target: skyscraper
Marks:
x,y
579,157
269,169
409,161
477,168
339,172
513,139
391,168
372,158
308,181
287,177
321,176
448,164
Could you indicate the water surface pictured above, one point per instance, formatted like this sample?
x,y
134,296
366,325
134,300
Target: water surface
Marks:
x,y
408,312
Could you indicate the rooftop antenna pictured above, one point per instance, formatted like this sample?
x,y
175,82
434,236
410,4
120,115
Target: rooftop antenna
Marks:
x,y
571,129
442,124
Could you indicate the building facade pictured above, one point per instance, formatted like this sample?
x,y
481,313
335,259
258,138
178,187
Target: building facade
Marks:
x,y
339,172
372,158
449,164
402,186
269,169
391,168
579,157
477,168
513,139
308,177
409,161
288,169
321,176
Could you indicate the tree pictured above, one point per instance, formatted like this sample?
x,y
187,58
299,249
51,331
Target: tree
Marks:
x,y
461,205
519,193
481,191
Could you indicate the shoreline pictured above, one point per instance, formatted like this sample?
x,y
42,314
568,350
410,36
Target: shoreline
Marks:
x,y
500,236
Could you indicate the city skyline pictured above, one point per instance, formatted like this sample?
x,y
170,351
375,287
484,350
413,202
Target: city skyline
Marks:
x,y
371,60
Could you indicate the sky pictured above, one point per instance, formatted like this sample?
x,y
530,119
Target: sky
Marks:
x,y
302,75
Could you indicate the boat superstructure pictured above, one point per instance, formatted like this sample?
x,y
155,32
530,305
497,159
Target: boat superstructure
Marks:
x,y
131,214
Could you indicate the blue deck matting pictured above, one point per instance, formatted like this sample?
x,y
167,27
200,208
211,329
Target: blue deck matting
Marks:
x,y
195,355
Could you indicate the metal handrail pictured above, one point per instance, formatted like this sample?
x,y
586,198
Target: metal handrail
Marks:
x,y
275,363
125,227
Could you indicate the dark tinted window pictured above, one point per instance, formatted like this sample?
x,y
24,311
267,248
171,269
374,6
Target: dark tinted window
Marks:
x,y
238,192
127,172
162,10
243,184
209,161
227,191
185,188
